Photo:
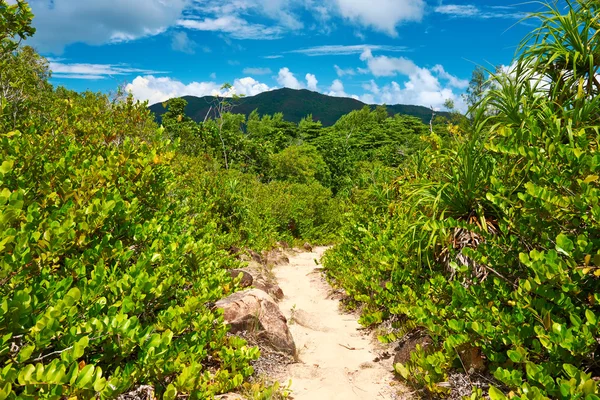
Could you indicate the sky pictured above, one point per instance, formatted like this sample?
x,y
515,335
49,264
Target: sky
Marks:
x,y
418,52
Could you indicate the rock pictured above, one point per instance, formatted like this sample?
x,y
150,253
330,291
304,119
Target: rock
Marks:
x,y
247,279
283,244
275,257
256,312
307,247
307,320
410,345
255,256
472,358
143,392
270,288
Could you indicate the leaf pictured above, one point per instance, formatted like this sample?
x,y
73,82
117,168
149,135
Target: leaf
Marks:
x,y
591,317
26,352
85,376
6,167
402,370
170,393
570,370
79,347
591,178
564,244
496,394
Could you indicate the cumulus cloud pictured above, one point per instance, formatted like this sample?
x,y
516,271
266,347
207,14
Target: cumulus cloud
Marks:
x,y
452,80
343,72
95,22
311,82
388,66
287,79
232,16
234,26
371,87
425,87
158,89
180,41
381,15
337,89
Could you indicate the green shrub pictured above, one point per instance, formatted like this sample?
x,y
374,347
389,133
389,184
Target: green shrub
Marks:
x,y
493,242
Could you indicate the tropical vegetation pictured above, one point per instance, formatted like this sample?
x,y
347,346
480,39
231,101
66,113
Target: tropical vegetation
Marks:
x,y
481,232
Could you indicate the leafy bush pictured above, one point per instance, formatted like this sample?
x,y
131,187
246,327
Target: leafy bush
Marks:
x,y
493,243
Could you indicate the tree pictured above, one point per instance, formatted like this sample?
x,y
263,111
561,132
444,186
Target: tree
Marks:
x,y
23,83
15,25
478,86
300,164
221,106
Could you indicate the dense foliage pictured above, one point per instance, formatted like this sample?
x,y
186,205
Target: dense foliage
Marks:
x,y
481,232
489,242
116,235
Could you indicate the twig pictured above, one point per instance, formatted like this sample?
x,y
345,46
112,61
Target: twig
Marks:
x,y
40,358
349,348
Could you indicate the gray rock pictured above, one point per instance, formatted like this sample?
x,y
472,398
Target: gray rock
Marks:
x,y
247,279
255,312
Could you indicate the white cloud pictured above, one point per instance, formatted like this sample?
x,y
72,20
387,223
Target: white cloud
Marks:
x,y
311,82
424,87
337,89
180,41
95,22
472,11
249,87
273,57
458,10
213,76
156,90
287,79
371,87
234,26
388,66
62,70
452,80
338,50
381,15
257,71
343,72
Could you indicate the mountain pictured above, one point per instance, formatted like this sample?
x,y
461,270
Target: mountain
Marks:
x,y
295,105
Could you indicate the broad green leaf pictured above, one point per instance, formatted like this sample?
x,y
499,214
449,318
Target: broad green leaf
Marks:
x,y
496,394
6,166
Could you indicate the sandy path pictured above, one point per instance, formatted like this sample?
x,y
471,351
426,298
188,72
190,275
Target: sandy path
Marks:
x,y
336,359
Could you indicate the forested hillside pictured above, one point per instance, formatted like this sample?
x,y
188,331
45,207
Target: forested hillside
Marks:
x,y
478,235
294,105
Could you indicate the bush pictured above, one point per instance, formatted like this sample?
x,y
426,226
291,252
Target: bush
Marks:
x,y
495,245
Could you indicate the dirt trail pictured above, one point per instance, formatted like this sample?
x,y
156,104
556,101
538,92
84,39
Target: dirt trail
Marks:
x,y
336,360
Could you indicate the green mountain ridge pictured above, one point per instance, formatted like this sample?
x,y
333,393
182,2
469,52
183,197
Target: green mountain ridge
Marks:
x,y
295,105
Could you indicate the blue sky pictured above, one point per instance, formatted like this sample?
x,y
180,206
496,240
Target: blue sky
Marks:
x,y
379,51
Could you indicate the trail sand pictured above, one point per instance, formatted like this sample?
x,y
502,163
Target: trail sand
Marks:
x,y
336,359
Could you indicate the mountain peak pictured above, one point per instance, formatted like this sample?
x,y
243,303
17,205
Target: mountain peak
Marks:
x,y
295,104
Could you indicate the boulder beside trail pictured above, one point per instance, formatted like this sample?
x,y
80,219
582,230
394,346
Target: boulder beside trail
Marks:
x,y
256,313
407,347
247,278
